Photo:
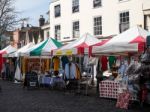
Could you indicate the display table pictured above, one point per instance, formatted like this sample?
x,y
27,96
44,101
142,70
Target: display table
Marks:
x,y
51,81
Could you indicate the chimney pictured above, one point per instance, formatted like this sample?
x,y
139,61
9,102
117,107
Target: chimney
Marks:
x,y
41,20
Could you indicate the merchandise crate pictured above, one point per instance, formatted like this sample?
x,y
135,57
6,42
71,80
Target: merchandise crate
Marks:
x,y
108,89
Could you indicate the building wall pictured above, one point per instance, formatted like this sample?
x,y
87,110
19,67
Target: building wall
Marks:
x,y
109,11
46,29
16,38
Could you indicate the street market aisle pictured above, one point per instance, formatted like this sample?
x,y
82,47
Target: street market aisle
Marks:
x,y
14,98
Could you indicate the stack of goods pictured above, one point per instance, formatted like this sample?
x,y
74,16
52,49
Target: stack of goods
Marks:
x,y
108,89
123,100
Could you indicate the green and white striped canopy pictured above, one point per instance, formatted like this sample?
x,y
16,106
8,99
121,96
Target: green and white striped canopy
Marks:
x,y
44,48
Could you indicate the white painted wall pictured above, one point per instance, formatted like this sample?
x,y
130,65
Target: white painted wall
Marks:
x,y
46,28
109,11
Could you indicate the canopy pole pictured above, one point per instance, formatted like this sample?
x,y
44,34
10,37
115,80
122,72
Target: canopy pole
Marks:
x,y
81,73
40,65
20,65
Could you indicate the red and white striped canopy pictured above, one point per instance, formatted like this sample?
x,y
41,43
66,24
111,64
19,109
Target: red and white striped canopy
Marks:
x,y
77,46
8,49
132,39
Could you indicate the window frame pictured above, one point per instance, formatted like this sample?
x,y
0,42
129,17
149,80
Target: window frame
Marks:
x,y
75,4
73,30
55,13
96,6
57,36
97,29
124,19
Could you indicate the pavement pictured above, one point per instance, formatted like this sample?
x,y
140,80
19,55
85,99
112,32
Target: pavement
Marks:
x,y
13,98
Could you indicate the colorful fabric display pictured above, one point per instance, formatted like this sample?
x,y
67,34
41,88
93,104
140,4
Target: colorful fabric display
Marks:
x,y
72,71
122,69
104,63
56,63
64,60
112,61
123,100
78,73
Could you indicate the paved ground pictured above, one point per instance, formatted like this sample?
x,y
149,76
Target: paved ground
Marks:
x,y
14,98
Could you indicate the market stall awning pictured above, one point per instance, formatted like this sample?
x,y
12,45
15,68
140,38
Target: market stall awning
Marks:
x,y
77,46
43,48
128,38
6,50
21,50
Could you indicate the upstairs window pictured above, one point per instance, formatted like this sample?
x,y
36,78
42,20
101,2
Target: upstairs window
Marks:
x,y
76,29
57,32
98,25
57,11
75,6
97,3
124,21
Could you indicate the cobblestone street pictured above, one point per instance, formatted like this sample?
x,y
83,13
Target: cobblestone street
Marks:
x,y
14,98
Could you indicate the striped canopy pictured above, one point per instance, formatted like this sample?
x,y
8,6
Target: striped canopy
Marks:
x,y
43,48
77,46
6,50
132,40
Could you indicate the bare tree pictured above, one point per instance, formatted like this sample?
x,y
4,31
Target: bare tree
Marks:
x,y
8,15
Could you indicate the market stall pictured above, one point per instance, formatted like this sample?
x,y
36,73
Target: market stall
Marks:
x,y
76,50
38,57
117,58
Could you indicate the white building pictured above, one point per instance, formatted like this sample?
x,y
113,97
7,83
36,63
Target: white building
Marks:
x,y
46,30
70,19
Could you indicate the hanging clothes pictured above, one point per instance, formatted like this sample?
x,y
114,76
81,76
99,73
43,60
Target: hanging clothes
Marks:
x,y
64,60
72,71
56,62
112,60
78,73
118,62
85,61
68,71
104,63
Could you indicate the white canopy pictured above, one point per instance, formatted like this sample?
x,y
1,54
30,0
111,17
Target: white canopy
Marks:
x,y
124,42
21,50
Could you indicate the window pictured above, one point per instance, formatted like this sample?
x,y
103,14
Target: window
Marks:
x,y
75,6
57,11
124,21
57,32
97,3
98,25
76,29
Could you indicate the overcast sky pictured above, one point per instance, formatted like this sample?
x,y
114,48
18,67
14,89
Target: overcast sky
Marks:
x,y
32,9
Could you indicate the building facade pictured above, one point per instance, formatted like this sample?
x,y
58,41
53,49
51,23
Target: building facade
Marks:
x,y
25,35
70,19
45,27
